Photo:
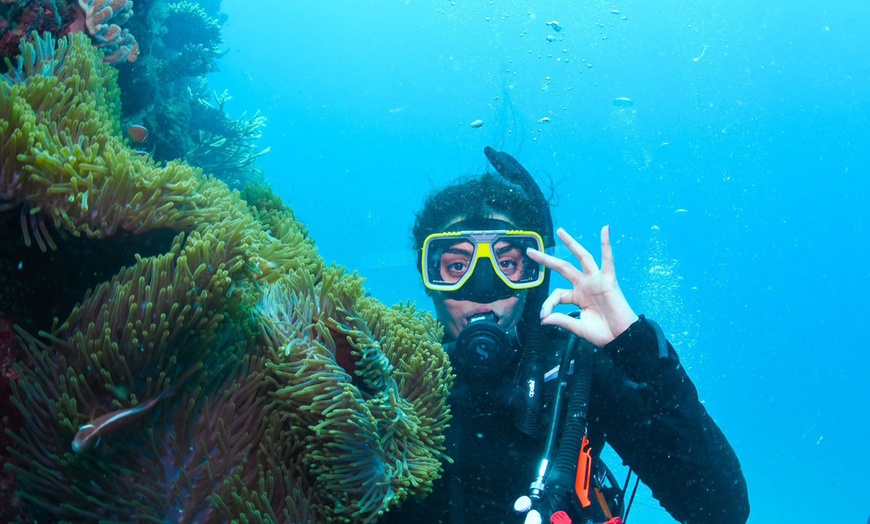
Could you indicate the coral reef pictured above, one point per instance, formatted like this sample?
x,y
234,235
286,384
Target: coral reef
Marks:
x,y
276,389
192,41
172,96
228,152
162,73
19,19
102,19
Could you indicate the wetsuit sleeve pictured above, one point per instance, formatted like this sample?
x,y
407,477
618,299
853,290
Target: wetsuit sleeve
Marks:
x,y
658,426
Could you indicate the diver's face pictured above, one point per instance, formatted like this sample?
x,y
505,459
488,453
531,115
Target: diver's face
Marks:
x,y
454,314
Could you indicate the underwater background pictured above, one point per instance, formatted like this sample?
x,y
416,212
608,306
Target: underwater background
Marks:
x,y
726,143
736,184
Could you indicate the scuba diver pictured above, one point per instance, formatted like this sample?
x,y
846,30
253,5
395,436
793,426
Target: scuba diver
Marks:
x,y
538,393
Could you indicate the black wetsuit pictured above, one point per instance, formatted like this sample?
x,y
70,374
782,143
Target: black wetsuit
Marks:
x,y
643,405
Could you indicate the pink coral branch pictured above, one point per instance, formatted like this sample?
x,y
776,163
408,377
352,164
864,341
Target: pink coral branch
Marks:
x,y
103,18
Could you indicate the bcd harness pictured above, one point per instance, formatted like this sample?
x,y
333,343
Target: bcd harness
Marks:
x,y
573,453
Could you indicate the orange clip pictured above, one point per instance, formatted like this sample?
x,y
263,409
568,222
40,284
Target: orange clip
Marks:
x,y
584,474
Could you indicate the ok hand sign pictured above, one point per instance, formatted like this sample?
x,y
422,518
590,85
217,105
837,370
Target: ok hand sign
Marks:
x,y
605,312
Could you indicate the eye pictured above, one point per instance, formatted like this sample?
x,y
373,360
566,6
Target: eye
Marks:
x,y
458,267
511,267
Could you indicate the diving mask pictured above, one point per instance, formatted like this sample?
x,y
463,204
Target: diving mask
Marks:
x,y
450,259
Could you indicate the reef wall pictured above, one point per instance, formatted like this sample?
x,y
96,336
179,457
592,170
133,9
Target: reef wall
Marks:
x,y
206,362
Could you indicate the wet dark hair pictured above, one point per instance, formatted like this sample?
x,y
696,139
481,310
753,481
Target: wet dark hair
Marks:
x,y
475,198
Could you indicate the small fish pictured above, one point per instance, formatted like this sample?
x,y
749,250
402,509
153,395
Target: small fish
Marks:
x,y
476,124
137,132
89,434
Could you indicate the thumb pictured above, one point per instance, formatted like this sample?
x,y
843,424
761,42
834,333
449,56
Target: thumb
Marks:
x,y
563,321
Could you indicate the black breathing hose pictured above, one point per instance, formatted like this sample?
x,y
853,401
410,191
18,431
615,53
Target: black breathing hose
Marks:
x,y
527,400
579,390
559,399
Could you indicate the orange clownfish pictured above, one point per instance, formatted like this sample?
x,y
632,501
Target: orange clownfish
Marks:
x,y
137,132
88,435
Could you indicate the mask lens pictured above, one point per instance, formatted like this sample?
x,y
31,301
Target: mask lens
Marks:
x,y
449,260
509,257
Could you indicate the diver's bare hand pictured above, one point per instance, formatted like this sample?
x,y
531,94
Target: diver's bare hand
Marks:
x,y
605,311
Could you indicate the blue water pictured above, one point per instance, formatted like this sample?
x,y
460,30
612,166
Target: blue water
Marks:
x,y
736,184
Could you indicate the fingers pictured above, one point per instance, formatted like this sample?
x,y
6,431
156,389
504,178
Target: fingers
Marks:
x,y
563,321
607,264
587,262
563,267
558,296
